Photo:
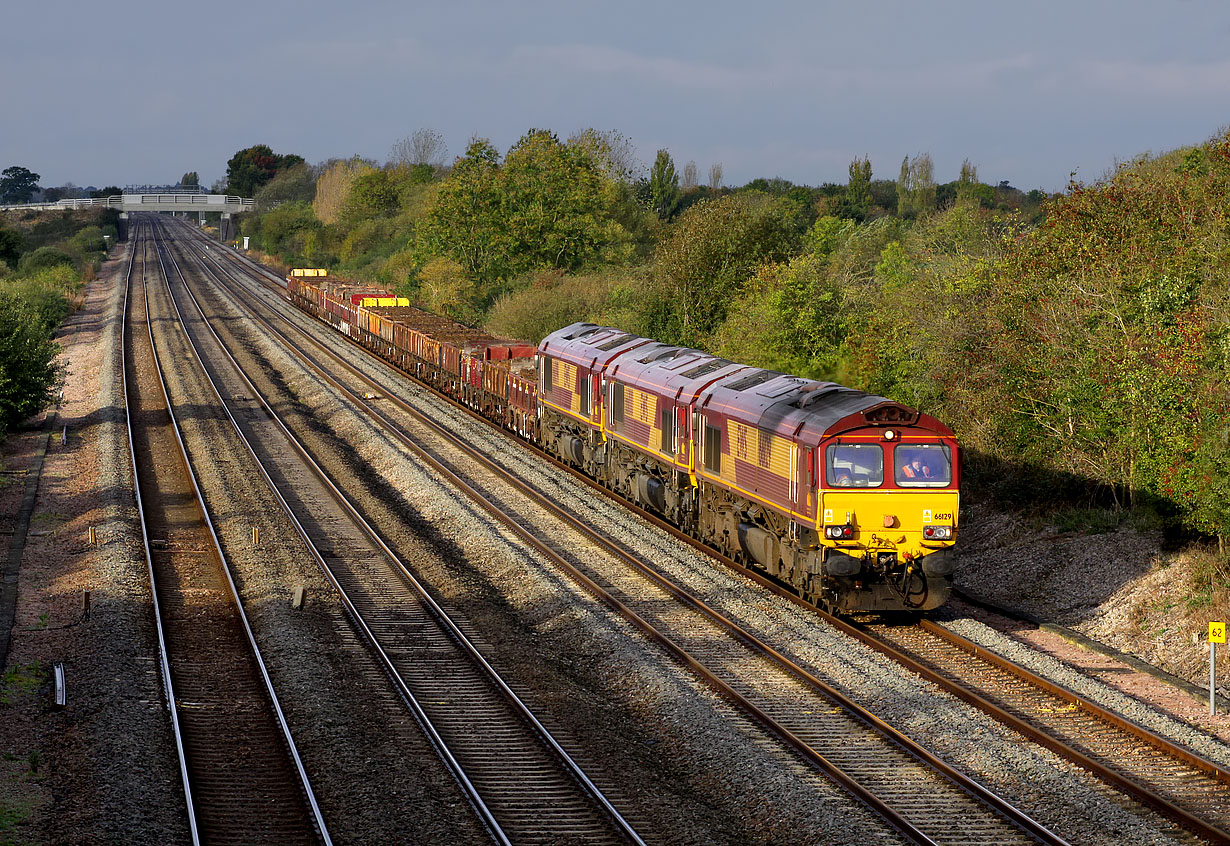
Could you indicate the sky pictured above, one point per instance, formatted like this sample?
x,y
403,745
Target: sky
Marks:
x,y
135,92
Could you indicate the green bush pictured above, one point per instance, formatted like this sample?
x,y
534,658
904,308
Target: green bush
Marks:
x,y
48,292
29,372
707,258
88,240
551,301
44,257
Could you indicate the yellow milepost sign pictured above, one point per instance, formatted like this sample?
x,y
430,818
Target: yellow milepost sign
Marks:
x,y
1217,632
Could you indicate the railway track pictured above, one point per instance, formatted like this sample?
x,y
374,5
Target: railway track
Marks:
x,y
242,778
1190,790
520,780
918,794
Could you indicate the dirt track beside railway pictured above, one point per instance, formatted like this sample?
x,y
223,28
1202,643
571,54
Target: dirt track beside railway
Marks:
x,y
94,771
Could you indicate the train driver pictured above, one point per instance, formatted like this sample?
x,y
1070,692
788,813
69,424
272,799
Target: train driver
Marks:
x,y
915,468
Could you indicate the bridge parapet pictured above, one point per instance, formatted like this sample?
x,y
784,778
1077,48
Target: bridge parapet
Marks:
x,y
179,202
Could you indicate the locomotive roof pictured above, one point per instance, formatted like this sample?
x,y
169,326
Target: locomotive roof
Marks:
x,y
589,344
678,373
789,406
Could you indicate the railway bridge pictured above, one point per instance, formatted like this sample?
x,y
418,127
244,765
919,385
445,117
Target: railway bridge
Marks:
x,y
181,202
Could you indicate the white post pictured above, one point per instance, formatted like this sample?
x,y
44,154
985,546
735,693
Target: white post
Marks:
x,y
1217,634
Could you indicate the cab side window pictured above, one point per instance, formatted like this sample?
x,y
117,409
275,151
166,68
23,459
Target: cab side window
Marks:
x,y
668,429
713,448
617,406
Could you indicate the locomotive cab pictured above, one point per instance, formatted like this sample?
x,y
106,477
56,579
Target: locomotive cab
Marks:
x,y
888,510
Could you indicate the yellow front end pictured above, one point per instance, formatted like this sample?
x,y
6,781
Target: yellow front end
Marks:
x,y
889,549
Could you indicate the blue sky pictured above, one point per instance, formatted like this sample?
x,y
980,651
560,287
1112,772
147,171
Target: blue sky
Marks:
x,y
133,92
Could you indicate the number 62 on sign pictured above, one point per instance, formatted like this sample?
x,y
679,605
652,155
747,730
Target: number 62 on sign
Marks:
x,y
1217,632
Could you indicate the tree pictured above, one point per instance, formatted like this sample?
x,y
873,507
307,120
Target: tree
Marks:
x,y
109,191
294,185
10,247
17,184
614,153
190,180
251,168
689,177
285,229
424,147
554,203
904,202
545,206
916,190
466,221
788,317
858,190
333,187
28,368
922,184
715,176
372,194
664,185
445,289
710,254
967,184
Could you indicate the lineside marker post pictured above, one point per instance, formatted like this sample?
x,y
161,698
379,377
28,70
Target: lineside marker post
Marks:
x,y
1217,634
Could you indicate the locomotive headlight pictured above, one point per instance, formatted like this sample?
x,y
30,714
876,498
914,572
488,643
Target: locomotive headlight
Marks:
x,y
890,435
937,532
839,532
